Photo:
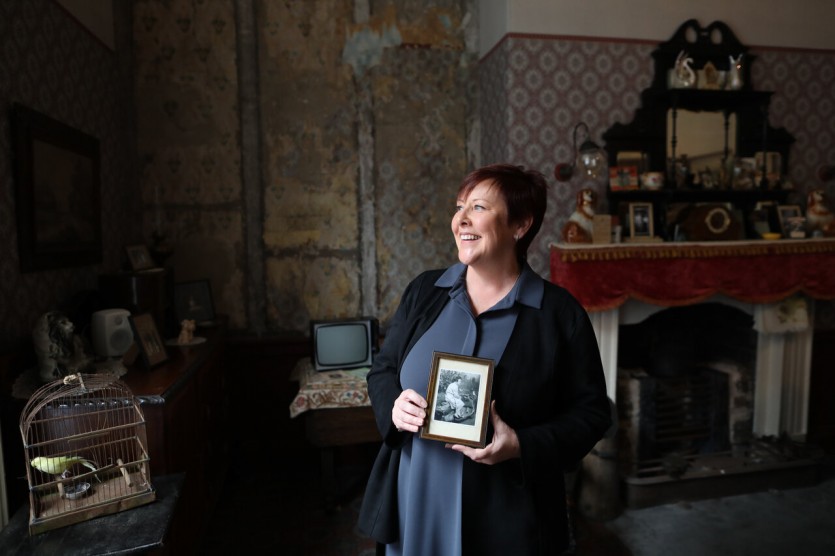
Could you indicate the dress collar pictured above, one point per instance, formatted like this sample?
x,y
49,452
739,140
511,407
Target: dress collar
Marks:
x,y
528,289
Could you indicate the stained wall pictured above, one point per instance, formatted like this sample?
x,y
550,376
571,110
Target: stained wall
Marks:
x,y
365,126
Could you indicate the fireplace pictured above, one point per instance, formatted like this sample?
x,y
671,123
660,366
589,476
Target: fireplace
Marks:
x,y
731,386
684,384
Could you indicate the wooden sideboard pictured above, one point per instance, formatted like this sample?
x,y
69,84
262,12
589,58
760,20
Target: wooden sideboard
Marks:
x,y
185,405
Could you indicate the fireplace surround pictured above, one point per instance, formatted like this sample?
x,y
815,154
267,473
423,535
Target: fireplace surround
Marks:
x,y
621,285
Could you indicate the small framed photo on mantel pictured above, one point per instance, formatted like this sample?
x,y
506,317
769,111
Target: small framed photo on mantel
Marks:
x,y
458,399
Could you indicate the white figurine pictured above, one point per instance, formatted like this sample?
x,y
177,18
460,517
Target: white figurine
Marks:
x,y
735,73
683,76
186,332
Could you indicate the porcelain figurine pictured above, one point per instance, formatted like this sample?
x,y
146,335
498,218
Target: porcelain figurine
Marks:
x,y
682,76
580,224
819,217
735,73
58,349
186,332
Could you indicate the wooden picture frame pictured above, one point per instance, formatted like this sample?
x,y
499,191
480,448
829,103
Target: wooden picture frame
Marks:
x,y
57,171
193,301
464,422
784,214
641,223
151,345
139,257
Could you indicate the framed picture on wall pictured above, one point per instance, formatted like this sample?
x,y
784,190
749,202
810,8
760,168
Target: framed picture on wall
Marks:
x,y
458,399
193,301
139,257
58,192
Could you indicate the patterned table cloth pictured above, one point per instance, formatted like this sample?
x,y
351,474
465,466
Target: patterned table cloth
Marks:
x,y
328,389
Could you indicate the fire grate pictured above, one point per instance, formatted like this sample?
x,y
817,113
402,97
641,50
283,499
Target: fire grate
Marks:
x,y
683,415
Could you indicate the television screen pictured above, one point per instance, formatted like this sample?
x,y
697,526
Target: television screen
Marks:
x,y
343,344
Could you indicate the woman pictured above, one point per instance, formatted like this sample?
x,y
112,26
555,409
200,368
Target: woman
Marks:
x,y
549,403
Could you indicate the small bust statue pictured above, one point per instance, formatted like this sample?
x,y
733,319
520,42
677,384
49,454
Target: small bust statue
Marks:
x,y
58,349
186,332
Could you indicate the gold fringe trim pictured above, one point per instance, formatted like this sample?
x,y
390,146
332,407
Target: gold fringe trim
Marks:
x,y
670,250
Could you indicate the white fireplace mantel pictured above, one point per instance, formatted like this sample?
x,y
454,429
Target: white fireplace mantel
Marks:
x,y
625,283
782,371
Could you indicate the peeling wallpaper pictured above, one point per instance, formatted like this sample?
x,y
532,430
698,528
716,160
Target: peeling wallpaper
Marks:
x,y
399,76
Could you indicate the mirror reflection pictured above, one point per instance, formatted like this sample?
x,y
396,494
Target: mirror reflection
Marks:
x,y
702,138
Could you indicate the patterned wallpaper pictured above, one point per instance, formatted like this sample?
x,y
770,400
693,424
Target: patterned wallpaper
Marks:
x,y
188,135
535,89
51,64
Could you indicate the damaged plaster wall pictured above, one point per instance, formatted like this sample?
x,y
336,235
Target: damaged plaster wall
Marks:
x,y
364,111
365,126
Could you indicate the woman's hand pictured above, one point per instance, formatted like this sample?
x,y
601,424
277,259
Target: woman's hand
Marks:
x,y
504,446
408,412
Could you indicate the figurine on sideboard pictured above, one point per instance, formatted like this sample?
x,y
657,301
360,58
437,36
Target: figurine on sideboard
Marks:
x,y
580,224
820,219
186,332
59,351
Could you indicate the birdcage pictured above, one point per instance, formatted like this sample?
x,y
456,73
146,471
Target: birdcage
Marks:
x,y
85,449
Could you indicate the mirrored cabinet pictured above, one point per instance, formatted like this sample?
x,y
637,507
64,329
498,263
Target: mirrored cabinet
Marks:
x,y
702,137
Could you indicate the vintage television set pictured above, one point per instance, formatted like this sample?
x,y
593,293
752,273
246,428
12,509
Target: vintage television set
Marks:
x,y
343,343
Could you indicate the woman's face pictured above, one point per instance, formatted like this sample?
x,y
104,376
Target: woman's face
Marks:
x,y
482,232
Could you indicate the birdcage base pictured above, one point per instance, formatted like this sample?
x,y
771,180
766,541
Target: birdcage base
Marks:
x,y
57,510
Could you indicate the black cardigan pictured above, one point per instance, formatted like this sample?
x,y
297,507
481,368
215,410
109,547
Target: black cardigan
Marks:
x,y
548,387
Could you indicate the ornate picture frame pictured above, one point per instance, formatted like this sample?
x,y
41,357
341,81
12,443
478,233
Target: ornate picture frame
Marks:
x,y
458,398
57,171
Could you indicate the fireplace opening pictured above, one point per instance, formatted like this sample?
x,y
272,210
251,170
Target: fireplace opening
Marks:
x,y
685,387
685,396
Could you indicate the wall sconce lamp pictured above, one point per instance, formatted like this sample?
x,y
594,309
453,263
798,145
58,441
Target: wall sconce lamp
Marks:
x,y
590,158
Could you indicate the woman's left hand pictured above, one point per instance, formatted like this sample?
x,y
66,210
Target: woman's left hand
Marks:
x,y
504,446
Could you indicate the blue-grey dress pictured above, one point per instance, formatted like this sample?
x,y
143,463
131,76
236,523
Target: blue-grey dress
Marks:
x,y
429,479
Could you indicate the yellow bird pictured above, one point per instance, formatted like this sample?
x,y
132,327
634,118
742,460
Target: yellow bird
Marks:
x,y
60,464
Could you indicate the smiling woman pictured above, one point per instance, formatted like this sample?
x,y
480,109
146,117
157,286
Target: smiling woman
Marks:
x,y
548,407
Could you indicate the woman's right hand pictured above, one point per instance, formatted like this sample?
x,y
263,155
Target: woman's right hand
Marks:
x,y
408,412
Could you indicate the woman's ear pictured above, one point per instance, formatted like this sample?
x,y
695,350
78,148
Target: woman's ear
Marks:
x,y
523,227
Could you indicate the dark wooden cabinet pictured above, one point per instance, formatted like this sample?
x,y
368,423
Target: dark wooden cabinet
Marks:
x,y
186,412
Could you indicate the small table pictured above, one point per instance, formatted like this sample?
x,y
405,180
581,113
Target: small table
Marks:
x,y
133,531
337,412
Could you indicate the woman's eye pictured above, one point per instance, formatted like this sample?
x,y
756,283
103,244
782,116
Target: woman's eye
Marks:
x,y
458,208
478,207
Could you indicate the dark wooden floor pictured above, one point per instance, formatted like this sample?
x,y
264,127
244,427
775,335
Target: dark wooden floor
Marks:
x,y
272,497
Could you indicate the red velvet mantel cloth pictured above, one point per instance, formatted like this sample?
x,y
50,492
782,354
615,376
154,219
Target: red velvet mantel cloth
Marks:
x,y
604,276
